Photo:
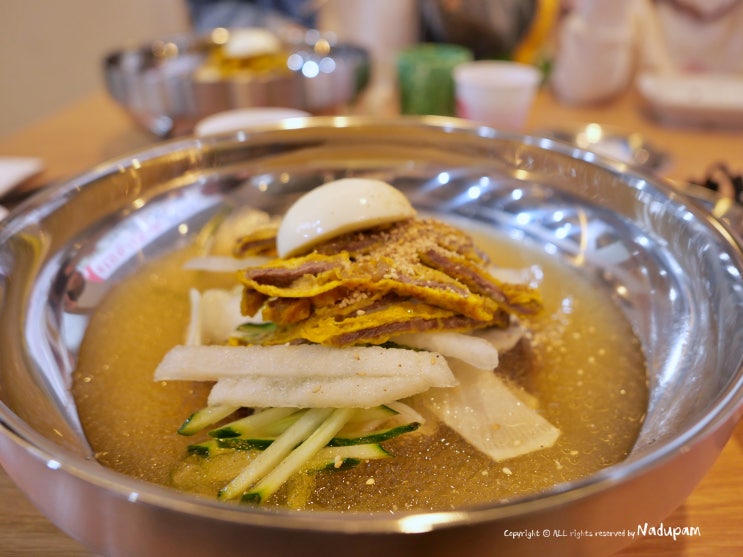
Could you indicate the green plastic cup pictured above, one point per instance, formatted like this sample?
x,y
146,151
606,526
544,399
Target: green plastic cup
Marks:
x,y
424,75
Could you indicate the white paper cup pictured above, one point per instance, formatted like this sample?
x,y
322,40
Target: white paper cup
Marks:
x,y
496,93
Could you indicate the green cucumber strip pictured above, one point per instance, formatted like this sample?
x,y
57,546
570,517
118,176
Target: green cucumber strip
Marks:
x,y
343,464
266,423
254,332
360,429
249,327
241,444
276,452
342,458
294,461
376,436
204,418
274,421
374,413
326,459
206,448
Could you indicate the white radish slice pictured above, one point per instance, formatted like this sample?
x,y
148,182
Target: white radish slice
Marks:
x,y
338,207
502,340
531,276
209,363
220,314
477,352
307,375
223,263
193,331
489,416
214,316
406,412
315,392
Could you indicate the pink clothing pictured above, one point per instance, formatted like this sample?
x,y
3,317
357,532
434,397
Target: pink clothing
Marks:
x,y
602,44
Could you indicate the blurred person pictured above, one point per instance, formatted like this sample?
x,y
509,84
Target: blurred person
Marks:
x,y
603,44
502,29
208,14
515,29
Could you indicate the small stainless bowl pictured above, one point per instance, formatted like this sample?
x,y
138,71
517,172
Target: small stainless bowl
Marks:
x,y
162,87
673,268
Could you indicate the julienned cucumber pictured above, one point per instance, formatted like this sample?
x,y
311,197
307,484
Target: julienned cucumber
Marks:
x,y
266,423
287,440
204,418
327,458
241,444
273,421
268,484
342,458
375,436
207,448
277,453
253,333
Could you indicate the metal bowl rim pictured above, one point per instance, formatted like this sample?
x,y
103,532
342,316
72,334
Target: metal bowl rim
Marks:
x,y
726,410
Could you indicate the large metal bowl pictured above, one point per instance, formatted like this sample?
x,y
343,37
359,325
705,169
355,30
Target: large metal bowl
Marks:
x,y
162,88
673,268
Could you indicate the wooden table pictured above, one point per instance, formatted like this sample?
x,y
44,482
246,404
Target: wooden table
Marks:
x,y
95,130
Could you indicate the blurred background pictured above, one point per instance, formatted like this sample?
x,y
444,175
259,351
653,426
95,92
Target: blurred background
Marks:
x,y
44,41
52,51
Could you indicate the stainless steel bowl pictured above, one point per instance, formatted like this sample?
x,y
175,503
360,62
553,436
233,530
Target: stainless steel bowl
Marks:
x,y
673,268
158,83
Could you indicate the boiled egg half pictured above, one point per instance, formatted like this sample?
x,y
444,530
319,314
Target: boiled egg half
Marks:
x,y
339,207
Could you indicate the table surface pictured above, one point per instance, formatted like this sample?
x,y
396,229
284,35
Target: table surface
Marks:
x,y
94,130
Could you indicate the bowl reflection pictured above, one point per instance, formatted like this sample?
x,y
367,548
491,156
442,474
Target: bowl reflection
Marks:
x,y
630,148
672,267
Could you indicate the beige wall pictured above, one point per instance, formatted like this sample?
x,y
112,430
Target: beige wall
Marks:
x,y
51,50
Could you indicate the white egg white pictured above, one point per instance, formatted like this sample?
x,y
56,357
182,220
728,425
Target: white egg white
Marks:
x,y
339,207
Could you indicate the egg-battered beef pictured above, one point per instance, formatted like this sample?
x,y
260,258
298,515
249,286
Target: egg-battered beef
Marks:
x,y
366,287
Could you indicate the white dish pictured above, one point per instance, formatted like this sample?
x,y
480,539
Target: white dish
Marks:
x,y
15,170
698,99
244,118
